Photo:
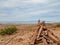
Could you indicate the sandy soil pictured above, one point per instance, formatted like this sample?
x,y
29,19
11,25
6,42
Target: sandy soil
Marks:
x,y
23,35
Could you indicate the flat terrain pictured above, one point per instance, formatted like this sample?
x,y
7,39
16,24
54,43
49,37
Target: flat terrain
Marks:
x,y
23,34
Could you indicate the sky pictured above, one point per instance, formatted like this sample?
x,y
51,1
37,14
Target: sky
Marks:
x,y
29,10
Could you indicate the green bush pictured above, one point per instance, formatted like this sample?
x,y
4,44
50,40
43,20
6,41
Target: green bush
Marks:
x,y
8,30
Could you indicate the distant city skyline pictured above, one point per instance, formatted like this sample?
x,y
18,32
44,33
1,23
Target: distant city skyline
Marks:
x,y
29,10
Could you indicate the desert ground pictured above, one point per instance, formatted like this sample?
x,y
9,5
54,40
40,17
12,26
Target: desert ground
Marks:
x,y
24,33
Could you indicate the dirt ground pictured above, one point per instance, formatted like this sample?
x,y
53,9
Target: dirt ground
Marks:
x,y
23,34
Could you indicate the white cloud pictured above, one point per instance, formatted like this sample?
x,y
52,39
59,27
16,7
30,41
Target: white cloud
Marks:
x,y
2,15
39,1
23,3
11,3
25,9
19,3
37,12
53,4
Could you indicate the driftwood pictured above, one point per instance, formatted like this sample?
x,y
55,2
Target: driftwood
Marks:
x,y
53,37
34,36
40,30
50,36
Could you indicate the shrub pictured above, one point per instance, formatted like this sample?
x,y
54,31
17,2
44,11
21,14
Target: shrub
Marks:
x,y
57,25
8,30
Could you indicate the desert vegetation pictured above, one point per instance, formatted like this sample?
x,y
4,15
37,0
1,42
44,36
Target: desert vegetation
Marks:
x,y
8,30
24,33
57,25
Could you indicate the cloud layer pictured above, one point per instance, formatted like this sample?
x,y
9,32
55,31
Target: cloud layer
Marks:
x,y
29,10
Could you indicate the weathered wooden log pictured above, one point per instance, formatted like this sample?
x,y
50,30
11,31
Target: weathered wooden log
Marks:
x,y
34,36
53,37
44,41
40,30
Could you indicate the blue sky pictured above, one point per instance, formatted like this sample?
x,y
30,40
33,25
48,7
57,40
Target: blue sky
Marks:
x,y
29,10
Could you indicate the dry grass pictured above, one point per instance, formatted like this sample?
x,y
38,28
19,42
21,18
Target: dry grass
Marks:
x,y
24,32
